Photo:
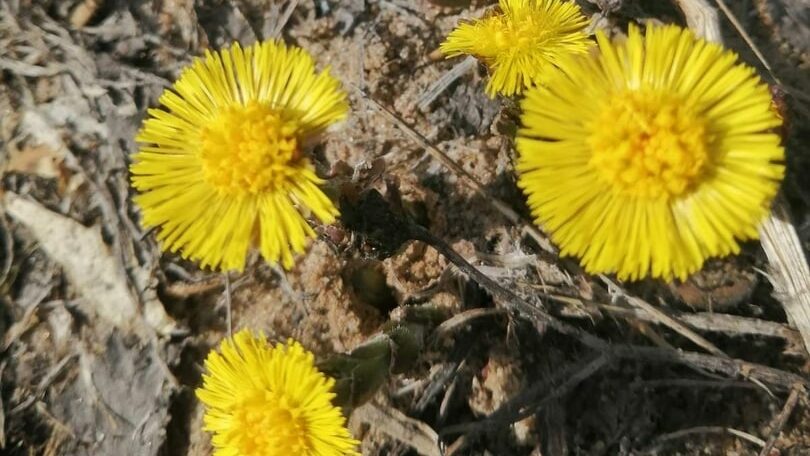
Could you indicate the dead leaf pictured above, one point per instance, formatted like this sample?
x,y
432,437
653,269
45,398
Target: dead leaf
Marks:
x,y
87,261
118,403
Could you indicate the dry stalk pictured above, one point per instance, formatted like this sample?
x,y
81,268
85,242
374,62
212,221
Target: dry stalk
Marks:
x,y
789,272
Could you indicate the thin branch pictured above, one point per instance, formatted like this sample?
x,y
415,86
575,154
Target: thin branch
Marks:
x,y
470,180
733,325
372,216
526,403
781,419
691,383
661,317
506,297
661,440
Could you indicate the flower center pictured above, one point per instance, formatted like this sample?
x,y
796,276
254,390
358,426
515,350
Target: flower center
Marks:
x,y
514,35
249,149
268,424
518,35
650,145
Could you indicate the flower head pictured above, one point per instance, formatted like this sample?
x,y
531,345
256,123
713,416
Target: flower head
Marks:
x,y
221,169
650,156
270,401
521,43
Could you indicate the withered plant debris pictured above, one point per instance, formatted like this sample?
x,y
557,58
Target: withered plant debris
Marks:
x,y
463,331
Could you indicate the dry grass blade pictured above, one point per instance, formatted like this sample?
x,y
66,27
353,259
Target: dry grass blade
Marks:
x,y
733,368
746,37
441,84
732,325
283,19
691,383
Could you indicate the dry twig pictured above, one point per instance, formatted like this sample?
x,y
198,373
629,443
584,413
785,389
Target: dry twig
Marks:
x,y
661,317
468,178
661,440
372,217
732,325
781,419
527,403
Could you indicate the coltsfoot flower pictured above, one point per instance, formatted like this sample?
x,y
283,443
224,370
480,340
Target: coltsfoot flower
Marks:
x,y
221,168
652,155
264,400
522,42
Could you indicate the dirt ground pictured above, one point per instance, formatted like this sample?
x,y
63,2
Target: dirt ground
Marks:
x,y
103,336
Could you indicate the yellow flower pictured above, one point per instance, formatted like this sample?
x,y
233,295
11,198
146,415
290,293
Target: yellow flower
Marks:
x,y
270,401
650,156
522,43
221,169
